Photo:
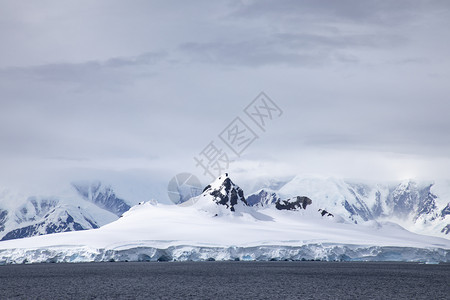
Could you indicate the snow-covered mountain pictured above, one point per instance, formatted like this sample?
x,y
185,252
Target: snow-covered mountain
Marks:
x,y
263,197
83,205
220,225
422,207
223,191
60,219
102,196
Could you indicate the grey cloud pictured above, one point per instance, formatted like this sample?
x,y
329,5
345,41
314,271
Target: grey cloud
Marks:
x,y
412,124
150,58
308,50
349,75
248,53
379,12
341,41
107,74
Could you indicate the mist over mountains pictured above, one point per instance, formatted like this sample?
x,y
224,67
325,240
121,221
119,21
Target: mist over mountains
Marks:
x,y
419,206
220,224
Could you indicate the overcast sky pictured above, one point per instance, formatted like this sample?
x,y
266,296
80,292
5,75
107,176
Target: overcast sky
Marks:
x,y
116,85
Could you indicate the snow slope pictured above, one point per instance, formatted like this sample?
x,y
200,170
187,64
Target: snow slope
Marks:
x,y
217,225
76,206
422,207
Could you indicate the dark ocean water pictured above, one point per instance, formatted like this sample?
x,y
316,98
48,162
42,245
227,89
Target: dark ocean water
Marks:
x,y
226,280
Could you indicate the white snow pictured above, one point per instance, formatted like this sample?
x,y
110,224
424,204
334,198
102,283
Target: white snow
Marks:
x,y
191,231
200,229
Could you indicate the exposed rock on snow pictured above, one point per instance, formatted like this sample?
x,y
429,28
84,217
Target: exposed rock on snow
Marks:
x,y
82,206
59,219
220,225
324,213
293,203
225,192
446,229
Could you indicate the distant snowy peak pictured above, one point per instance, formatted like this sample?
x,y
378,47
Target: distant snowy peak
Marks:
x,y
412,199
59,219
101,195
262,198
420,206
420,202
35,208
224,192
405,198
78,206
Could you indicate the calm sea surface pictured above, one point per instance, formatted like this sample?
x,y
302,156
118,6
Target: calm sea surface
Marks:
x,y
226,280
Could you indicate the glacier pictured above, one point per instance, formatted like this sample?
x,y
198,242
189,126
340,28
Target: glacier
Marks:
x,y
323,252
219,224
419,206
168,232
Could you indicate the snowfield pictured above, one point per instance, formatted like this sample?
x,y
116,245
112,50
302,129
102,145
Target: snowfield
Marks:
x,y
220,225
206,230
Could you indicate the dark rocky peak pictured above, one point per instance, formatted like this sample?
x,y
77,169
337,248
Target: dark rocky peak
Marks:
x,y
225,192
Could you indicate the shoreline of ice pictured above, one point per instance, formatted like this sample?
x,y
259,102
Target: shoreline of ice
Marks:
x,y
323,252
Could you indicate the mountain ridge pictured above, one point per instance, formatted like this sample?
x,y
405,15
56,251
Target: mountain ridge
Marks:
x,y
420,206
209,228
